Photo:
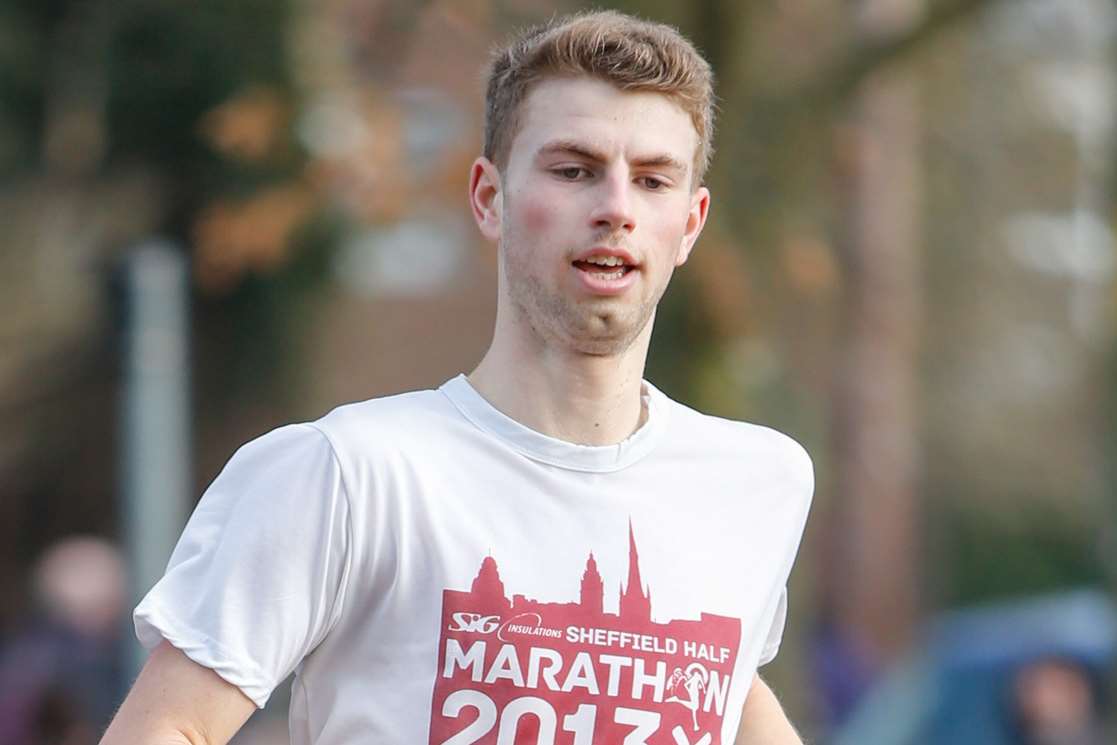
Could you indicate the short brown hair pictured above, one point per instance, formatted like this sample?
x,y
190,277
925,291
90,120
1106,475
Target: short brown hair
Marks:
x,y
630,53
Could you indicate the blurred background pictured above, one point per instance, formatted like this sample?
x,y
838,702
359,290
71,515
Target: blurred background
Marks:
x,y
216,218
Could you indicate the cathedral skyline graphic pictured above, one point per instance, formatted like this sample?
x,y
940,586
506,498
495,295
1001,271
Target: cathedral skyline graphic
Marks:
x,y
634,596
570,657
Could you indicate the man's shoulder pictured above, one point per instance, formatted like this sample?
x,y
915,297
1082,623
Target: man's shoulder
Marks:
x,y
362,429
386,418
740,440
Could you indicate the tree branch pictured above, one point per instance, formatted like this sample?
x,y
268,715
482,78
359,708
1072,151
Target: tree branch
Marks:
x,y
844,76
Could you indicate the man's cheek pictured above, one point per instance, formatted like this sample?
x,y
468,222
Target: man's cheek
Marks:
x,y
536,215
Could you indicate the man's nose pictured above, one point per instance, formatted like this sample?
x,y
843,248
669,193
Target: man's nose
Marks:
x,y
613,210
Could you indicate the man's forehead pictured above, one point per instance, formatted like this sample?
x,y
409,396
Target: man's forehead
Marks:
x,y
599,117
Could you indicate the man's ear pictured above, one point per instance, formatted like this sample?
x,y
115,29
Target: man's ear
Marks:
x,y
695,220
485,197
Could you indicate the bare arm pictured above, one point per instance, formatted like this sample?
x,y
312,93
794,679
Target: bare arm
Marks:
x,y
176,701
763,721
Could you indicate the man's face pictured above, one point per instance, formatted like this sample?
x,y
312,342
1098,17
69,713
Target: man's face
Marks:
x,y
595,210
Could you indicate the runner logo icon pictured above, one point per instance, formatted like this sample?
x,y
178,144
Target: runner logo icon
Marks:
x,y
686,688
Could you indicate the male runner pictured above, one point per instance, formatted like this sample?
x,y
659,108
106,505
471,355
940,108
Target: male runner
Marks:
x,y
546,551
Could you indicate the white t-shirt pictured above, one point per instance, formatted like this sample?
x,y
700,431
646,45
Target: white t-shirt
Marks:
x,y
435,572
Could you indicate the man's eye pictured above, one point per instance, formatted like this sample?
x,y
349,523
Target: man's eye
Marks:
x,y
653,183
571,172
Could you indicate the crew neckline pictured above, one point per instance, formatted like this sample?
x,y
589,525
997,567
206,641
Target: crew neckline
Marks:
x,y
551,450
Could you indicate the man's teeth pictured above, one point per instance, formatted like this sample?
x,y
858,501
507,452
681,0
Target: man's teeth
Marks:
x,y
606,260
604,267
610,275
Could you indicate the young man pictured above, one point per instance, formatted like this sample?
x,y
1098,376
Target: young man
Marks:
x,y
546,551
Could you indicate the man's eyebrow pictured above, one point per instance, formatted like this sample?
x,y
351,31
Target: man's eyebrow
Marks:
x,y
581,149
662,161
558,147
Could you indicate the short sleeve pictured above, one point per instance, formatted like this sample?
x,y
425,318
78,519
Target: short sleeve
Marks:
x,y
257,578
775,631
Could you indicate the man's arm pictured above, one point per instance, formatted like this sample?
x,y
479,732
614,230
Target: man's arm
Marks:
x,y
176,701
763,721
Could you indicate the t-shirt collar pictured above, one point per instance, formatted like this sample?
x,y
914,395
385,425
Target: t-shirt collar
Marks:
x,y
551,450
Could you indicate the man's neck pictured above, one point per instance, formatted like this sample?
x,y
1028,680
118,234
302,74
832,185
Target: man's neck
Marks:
x,y
584,399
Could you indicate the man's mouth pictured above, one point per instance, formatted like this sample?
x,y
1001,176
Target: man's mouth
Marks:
x,y
604,267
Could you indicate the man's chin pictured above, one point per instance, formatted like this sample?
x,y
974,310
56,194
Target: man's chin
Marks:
x,y
604,340
601,348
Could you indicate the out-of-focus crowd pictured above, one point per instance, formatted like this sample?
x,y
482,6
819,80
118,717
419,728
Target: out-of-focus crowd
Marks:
x,y
65,668
61,669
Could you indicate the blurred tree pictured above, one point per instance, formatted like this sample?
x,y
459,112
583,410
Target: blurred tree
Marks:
x,y
119,121
875,423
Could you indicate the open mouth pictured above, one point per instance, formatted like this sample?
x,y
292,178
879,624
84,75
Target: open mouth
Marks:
x,y
604,267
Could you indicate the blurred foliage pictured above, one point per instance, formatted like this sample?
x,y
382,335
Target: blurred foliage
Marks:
x,y
120,121
988,557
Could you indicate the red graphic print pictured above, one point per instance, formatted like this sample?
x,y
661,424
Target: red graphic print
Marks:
x,y
518,671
